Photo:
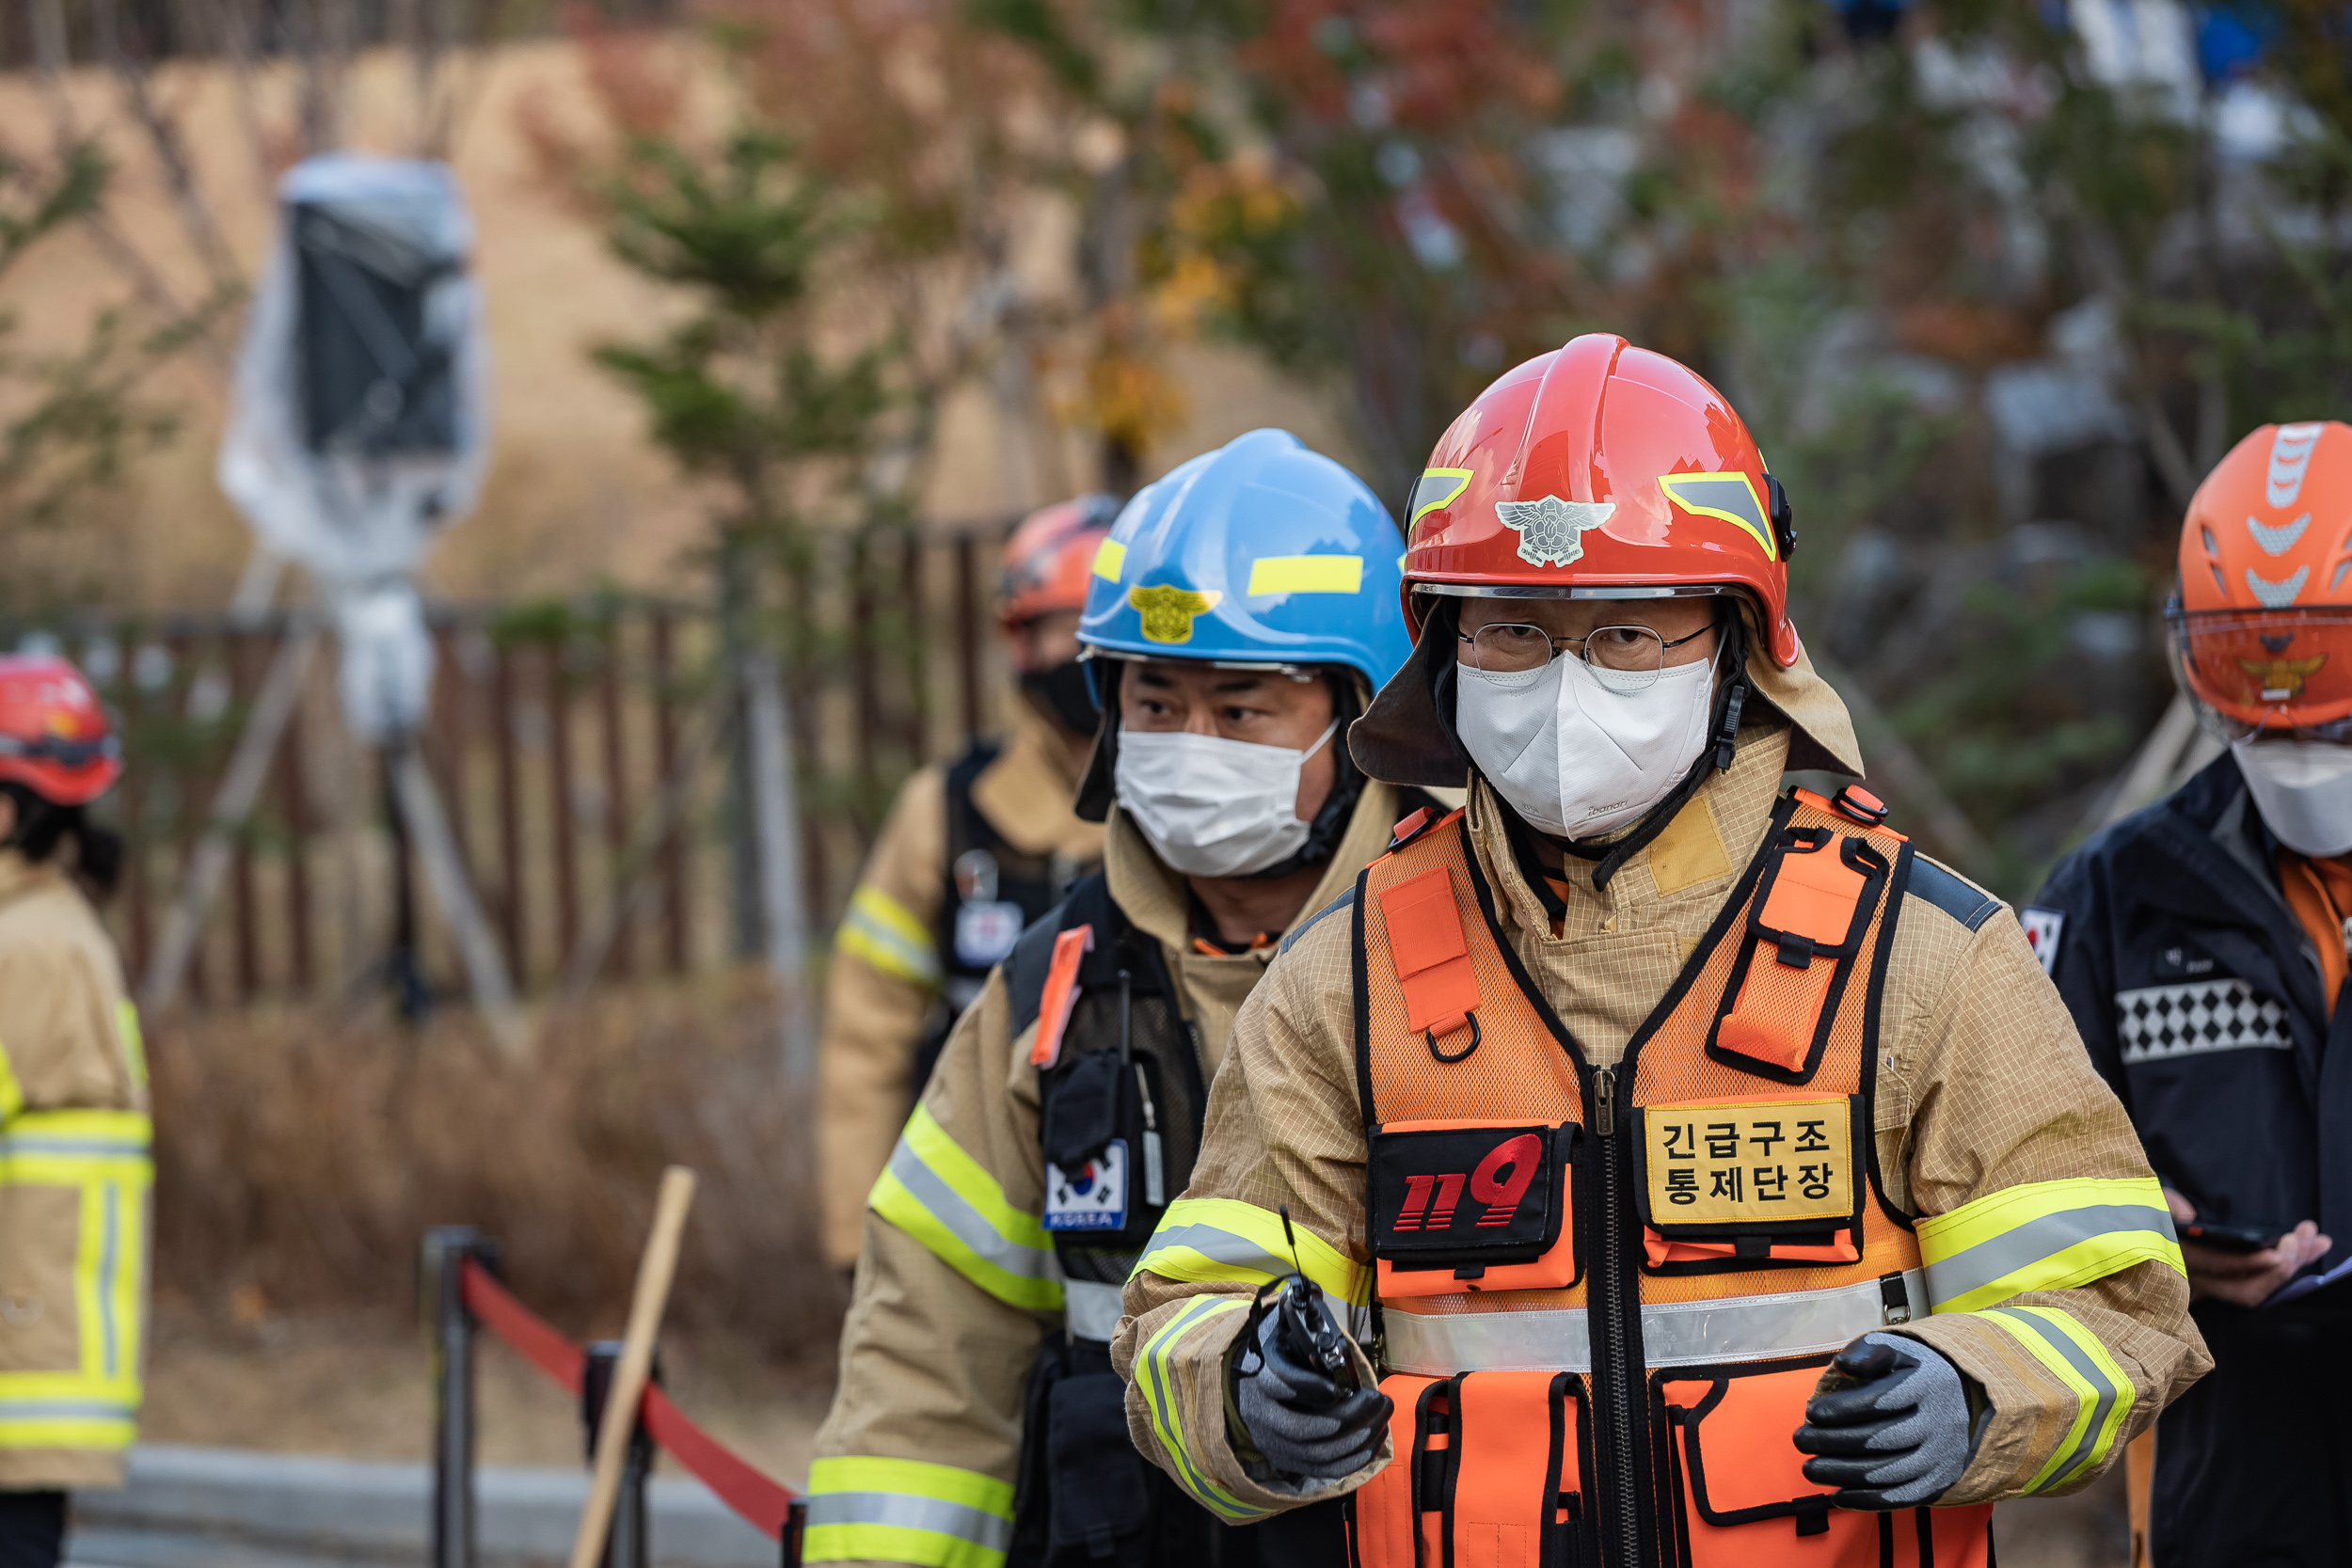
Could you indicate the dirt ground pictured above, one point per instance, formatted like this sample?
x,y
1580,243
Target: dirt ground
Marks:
x,y
356,1386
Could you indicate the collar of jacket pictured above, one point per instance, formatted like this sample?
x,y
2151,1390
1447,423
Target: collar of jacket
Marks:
x,y
1735,805
1025,793
1153,896
20,877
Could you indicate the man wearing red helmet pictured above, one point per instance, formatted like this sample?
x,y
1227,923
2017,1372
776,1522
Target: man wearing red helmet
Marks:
x,y
1653,1129
73,1124
2201,945
971,851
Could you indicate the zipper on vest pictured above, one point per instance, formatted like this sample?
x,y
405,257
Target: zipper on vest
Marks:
x,y
1619,1380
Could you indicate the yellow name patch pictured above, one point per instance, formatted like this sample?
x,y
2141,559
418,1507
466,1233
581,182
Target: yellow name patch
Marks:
x,y
1748,1161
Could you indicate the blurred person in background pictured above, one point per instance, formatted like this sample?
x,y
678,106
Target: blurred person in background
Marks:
x,y
971,852
1646,1107
2201,945
1239,616
74,1166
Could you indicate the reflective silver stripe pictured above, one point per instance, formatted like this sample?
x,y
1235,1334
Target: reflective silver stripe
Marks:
x,y
964,1222
1673,1333
1218,1246
68,1144
1092,1311
68,1410
1974,1268
2089,1371
905,1511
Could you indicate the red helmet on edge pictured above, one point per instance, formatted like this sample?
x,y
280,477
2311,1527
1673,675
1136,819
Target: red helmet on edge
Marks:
x,y
1602,471
54,736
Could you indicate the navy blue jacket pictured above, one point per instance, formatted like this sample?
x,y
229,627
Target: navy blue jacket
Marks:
x,y
2199,996
2198,993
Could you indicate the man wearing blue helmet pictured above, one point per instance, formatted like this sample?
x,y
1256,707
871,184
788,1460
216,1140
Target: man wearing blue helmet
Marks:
x,y
1239,616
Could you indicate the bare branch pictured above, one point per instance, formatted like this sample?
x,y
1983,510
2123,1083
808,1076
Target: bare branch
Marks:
x,y
165,140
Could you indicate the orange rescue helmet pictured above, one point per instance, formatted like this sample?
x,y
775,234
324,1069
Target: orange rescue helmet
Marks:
x,y
1601,471
54,736
1049,557
2262,627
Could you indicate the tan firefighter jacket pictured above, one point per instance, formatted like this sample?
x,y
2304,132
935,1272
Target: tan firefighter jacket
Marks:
x,y
75,1179
1983,1086
953,1293
883,987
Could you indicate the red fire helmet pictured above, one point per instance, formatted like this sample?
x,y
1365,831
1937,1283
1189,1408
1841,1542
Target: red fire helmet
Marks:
x,y
1601,471
55,736
1049,557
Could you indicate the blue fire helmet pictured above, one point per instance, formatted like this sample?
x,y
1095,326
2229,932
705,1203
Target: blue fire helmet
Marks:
x,y
1260,553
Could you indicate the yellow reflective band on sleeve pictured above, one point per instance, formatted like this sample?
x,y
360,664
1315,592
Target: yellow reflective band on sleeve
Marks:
x,y
870,1509
133,1043
1161,1397
946,1199
11,1092
886,934
2103,1395
2043,1236
1307,574
1109,559
1223,1241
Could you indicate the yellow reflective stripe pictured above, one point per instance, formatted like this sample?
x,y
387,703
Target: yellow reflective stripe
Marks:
x,y
1161,1396
886,934
2043,1236
947,1200
1110,560
1428,497
2103,1394
868,1508
11,1092
1307,574
133,1043
1223,1241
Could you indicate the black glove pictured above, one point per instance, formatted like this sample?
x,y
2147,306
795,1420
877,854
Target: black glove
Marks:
x,y
1304,1424
1896,1434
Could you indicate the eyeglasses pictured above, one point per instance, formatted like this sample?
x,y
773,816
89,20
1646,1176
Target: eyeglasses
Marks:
x,y
1513,647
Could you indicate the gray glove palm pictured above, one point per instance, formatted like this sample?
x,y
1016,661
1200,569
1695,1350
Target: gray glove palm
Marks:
x,y
1305,1424
1898,1436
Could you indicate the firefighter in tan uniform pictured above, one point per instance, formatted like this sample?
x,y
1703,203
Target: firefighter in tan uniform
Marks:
x,y
1700,1175
74,1168
972,851
1242,612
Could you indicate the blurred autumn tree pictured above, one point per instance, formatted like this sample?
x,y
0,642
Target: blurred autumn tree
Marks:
x,y
1993,280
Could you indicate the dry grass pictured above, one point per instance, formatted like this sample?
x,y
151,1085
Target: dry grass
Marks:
x,y
301,1155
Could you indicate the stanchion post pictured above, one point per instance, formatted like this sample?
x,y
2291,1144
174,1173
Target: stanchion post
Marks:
x,y
629,1543
442,1296
795,1521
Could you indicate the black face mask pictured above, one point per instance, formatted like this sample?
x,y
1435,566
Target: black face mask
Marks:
x,y
1063,691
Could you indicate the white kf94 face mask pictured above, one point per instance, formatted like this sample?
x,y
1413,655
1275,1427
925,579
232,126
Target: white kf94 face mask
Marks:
x,y
2304,791
1213,807
1579,751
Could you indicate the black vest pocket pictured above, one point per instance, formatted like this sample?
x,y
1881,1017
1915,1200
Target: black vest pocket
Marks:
x,y
1100,1498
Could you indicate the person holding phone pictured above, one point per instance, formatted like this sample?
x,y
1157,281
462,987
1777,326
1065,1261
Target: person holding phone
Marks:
x,y
2201,945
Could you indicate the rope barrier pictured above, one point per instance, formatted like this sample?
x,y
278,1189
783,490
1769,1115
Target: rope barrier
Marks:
x,y
767,1507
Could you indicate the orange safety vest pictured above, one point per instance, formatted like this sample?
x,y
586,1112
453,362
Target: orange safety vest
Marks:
x,y
1606,1295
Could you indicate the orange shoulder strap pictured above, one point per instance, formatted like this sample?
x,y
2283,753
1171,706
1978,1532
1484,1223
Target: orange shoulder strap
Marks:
x,y
1061,994
1803,939
1433,962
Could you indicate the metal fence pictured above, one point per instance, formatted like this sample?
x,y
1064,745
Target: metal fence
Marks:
x,y
555,727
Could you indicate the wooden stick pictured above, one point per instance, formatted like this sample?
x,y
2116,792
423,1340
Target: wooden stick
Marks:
x,y
654,1272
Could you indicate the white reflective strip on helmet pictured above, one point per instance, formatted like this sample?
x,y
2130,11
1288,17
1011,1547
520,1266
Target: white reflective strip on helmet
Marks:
x,y
1091,1311
1673,1333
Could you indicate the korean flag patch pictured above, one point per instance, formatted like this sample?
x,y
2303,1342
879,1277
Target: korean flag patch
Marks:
x,y
1093,1197
2041,934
